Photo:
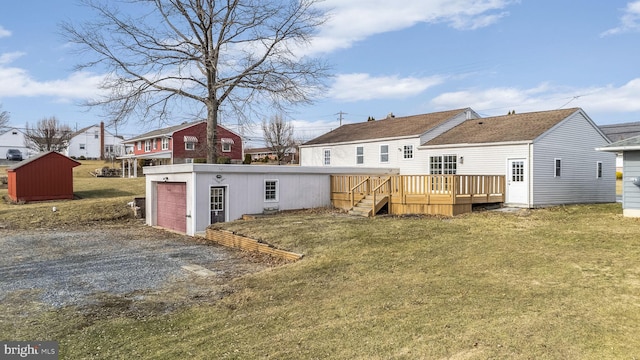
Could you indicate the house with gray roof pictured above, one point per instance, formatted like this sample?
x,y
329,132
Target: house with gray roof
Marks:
x,y
547,157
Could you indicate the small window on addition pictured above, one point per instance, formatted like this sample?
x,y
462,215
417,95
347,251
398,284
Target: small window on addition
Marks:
x,y
558,168
271,190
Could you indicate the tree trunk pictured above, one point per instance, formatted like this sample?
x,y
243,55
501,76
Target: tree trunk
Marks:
x,y
212,132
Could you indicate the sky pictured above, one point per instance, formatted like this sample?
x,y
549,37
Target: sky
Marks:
x,y
404,57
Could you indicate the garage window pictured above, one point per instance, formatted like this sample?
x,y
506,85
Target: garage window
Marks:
x,y
271,190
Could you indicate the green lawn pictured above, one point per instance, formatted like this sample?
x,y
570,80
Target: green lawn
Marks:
x,y
558,283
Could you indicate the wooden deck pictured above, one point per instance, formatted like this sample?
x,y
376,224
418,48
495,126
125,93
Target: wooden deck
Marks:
x,y
417,194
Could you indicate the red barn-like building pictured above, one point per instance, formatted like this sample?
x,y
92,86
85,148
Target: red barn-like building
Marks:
x,y
47,176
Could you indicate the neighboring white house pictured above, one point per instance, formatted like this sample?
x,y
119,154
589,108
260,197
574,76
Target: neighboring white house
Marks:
x,y
548,157
13,138
392,142
189,197
630,150
94,142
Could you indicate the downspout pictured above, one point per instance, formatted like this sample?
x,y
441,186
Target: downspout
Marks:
x,y
101,140
530,175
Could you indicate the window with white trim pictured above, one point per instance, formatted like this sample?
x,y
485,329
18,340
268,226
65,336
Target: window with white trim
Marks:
x,y
384,153
165,143
407,152
189,145
445,164
155,146
557,167
139,144
599,170
226,146
271,190
327,157
359,155
147,145
82,146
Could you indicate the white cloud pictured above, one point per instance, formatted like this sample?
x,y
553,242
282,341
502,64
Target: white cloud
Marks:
x,y
359,86
495,101
629,22
355,20
16,82
4,32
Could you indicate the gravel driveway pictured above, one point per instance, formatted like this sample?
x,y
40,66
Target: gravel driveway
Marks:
x,y
84,267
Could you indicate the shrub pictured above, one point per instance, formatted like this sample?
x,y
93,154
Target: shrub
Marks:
x,y
618,175
200,161
247,159
224,160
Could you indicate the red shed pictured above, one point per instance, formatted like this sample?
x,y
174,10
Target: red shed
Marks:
x,y
48,176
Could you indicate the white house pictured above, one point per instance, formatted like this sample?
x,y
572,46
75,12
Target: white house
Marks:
x,y
630,150
94,142
392,142
548,157
189,197
13,138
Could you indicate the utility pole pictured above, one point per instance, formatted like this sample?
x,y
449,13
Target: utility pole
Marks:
x,y
340,118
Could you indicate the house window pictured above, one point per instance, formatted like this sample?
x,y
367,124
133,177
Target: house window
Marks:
x,y
108,149
599,170
147,145
359,155
189,145
95,135
327,156
558,167
446,164
407,152
271,190
82,146
139,145
226,147
384,153
155,146
165,143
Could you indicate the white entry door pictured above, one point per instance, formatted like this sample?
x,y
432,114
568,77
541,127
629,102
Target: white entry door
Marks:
x,y
517,181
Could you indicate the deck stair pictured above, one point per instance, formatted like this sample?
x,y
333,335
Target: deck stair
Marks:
x,y
365,206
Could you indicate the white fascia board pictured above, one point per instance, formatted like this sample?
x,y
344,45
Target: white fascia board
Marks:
x,y
265,169
362,141
619,148
466,145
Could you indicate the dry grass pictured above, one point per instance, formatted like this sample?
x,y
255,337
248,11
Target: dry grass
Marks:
x,y
100,199
557,283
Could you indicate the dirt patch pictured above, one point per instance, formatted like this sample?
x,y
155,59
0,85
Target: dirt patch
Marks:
x,y
106,271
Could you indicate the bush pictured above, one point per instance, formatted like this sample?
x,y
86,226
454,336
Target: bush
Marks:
x,y
200,161
224,160
247,159
618,175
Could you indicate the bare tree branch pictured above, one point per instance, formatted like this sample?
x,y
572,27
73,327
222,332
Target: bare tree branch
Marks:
x,y
4,119
47,135
220,55
278,136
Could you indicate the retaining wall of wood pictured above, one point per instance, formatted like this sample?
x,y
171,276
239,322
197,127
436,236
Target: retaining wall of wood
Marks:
x,y
228,238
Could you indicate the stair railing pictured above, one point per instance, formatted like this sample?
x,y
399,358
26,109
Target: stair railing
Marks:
x,y
352,190
387,182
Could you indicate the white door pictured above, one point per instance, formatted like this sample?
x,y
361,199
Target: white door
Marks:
x,y
517,181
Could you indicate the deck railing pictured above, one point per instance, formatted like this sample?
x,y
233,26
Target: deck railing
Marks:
x,y
458,189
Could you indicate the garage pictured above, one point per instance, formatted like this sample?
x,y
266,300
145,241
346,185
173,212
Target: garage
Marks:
x,y
172,206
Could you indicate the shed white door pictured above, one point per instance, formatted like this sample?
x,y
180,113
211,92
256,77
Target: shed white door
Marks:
x,y
218,202
172,206
517,181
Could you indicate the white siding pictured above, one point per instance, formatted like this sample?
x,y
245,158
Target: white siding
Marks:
x,y
92,144
345,155
573,141
481,159
631,171
14,139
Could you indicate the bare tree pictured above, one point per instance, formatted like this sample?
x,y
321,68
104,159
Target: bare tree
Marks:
x,y
4,119
47,135
233,56
278,136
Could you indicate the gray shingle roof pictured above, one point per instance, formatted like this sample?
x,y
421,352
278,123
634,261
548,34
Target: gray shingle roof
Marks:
x,y
516,127
388,128
617,132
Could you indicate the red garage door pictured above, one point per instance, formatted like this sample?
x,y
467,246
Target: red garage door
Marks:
x,y
172,206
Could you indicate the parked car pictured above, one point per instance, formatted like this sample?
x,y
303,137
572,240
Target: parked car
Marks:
x,y
14,154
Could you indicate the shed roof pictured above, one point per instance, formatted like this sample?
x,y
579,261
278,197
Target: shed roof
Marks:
x,y
514,127
617,132
388,128
632,143
72,163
